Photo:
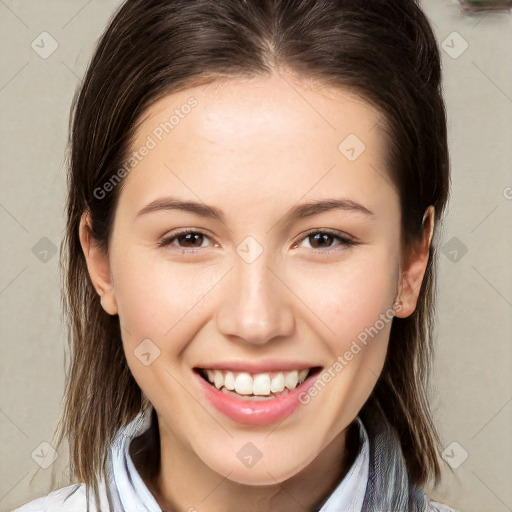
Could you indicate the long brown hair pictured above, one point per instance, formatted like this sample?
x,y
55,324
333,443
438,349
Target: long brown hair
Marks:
x,y
384,51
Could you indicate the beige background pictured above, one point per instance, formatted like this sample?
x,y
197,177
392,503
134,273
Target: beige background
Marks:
x,y
472,393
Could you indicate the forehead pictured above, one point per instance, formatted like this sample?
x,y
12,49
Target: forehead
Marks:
x,y
259,137
233,110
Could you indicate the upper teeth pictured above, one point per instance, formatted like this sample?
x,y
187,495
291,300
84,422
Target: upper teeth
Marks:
x,y
261,384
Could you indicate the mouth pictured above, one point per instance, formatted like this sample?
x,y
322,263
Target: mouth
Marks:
x,y
256,386
255,398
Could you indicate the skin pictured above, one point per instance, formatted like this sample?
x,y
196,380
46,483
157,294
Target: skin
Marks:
x,y
255,149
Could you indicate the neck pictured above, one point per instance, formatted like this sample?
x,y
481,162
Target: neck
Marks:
x,y
181,482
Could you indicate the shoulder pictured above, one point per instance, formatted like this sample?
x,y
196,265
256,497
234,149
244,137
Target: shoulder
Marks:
x,y
66,499
434,506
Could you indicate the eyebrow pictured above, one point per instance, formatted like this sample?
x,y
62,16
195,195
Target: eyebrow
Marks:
x,y
297,212
173,203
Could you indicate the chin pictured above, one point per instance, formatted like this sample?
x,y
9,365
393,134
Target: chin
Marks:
x,y
264,471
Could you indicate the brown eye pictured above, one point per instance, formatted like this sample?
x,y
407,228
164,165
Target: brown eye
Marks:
x,y
185,240
321,240
327,240
193,240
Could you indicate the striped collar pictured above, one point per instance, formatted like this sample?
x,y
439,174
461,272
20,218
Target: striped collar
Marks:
x,y
129,492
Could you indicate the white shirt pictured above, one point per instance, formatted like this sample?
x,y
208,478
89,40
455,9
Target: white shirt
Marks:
x,y
130,493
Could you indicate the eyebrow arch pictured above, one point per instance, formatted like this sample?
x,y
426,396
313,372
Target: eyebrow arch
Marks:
x,y
173,203
324,205
298,212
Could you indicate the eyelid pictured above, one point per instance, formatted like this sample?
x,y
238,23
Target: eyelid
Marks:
x,y
328,231
167,239
346,240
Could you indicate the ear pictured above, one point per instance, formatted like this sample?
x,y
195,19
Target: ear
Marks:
x,y
98,266
414,268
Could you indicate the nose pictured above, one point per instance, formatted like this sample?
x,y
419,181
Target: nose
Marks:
x,y
256,304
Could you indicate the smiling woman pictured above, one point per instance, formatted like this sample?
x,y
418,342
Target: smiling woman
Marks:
x,y
255,189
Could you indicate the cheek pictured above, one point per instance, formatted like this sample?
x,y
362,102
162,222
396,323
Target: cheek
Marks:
x,y
349,298
160,310
352,307
159,300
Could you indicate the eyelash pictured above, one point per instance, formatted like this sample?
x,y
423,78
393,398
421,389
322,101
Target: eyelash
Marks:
x,y
344,240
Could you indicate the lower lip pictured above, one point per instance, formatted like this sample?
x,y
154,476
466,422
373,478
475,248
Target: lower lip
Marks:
x,y
251,412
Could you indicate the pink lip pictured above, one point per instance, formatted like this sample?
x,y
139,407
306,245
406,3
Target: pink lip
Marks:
x,y
250,412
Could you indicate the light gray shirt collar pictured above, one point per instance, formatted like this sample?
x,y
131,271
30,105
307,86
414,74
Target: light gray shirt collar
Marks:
x,y
129,492
125,491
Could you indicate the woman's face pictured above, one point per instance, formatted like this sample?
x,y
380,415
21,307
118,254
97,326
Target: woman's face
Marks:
x,y
268,286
